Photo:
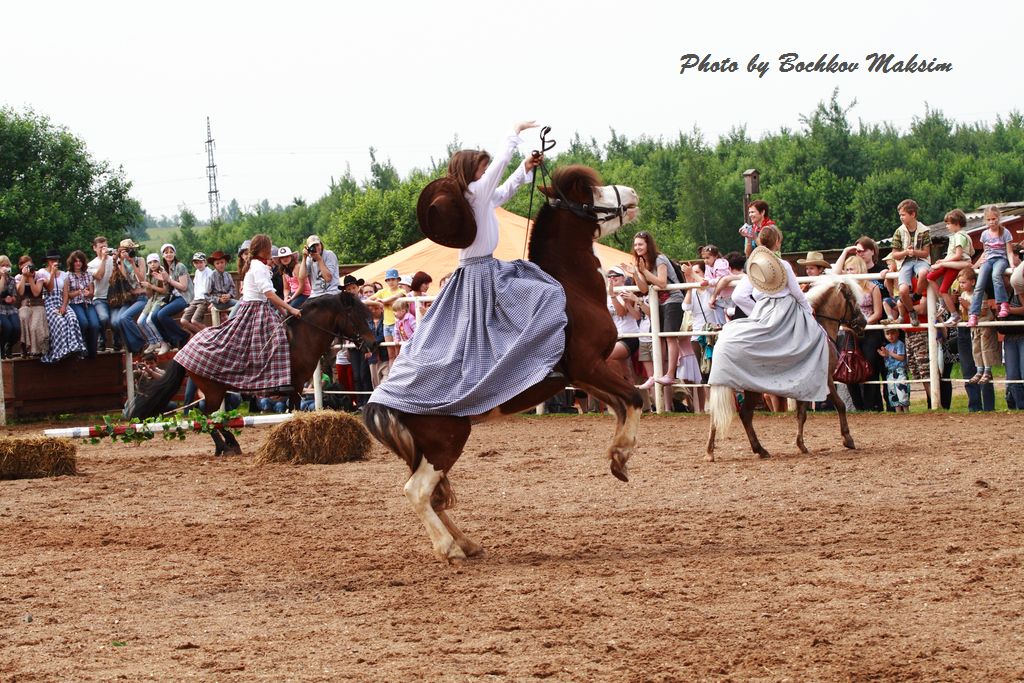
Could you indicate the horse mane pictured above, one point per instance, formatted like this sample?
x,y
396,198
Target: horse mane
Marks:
x,y
332,303
822,288
576,182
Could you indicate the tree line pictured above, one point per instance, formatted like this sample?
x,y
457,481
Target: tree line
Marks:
x,y
827,182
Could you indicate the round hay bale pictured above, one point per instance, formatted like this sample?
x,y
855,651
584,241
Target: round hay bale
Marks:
x,y
34,457
316,438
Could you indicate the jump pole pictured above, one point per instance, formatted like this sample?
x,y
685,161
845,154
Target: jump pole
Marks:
x,y
233,423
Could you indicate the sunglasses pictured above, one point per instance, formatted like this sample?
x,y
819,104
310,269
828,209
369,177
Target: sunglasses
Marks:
x,y
643,235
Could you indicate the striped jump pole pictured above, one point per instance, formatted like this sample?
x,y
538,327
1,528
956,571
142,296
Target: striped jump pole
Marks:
x,y
194,425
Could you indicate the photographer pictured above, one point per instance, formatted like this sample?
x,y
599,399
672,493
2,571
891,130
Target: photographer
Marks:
x,y
10,324
132,269
101,268
35,334
320,267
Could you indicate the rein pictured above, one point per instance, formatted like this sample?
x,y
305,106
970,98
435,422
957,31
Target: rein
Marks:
x,y
588,212
847,320
357,342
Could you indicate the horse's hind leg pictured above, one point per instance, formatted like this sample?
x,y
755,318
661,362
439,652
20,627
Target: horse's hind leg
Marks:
x,y
218,443
844,427
710,457
747,417
625,400
442,499
801,418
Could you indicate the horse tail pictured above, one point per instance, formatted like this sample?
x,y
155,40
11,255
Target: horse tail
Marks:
x,y
153,398
722,407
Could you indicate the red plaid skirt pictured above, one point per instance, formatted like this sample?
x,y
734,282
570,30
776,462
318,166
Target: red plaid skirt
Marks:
x,y
248,352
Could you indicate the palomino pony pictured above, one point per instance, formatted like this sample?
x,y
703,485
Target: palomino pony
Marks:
x,y
323,318
835,303
579,211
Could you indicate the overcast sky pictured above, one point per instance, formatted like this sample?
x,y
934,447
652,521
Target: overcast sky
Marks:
x,y
299,91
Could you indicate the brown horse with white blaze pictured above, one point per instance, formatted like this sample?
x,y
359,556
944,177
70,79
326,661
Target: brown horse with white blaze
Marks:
x,y
835,303
579,211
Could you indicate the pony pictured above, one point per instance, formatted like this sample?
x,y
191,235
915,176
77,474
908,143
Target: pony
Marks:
x,y
579,210
834,303
323,318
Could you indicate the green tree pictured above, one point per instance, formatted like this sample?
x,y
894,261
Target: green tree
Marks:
x,y
53,194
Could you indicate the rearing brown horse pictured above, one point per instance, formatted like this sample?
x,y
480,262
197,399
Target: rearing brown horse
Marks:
x,y
325,317
562,245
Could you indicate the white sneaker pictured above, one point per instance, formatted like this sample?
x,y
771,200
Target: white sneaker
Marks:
x,y
162,349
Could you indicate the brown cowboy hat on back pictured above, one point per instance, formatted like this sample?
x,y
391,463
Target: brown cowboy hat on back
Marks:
x,y
445,215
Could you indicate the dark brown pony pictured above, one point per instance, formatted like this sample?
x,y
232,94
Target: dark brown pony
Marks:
x,y
835,304
323,319
562,245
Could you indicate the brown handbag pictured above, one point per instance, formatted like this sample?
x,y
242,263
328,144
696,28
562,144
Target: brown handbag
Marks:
x,y
852,367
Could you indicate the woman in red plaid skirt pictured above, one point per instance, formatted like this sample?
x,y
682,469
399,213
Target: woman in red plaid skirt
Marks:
x,y
250,351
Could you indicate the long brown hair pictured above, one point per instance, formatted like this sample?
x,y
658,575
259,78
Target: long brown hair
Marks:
x,y
77,255
652,251
463,164
259,244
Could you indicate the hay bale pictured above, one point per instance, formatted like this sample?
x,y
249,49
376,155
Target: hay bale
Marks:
x,y
317,438
35,457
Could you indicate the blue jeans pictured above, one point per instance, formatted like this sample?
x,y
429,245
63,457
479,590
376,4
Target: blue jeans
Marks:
x,y
167,323
299,300
1013,352
103,314
125,319
10,329
992,269
979,396
89,321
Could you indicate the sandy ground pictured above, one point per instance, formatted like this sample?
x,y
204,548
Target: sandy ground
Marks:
x,y
892,562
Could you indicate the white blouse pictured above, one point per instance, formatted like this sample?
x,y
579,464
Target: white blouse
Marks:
x,y
485,195
257,282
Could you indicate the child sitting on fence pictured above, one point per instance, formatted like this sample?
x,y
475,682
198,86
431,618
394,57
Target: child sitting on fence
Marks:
x,y
995,259
958,256
157,291
895,354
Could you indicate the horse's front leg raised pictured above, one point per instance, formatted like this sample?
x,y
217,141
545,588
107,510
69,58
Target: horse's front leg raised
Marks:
x,y
747,417
626,402
801,418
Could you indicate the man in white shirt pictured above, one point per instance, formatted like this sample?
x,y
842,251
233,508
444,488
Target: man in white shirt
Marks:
x,y
192,317
320,266
101,268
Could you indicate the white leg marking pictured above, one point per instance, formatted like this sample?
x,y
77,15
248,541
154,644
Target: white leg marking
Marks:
x,y
418,490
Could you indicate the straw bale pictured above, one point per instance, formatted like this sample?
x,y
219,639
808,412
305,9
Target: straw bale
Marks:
x,y
36,457
315,438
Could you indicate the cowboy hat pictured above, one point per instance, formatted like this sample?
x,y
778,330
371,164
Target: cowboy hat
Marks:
x,y
284,251
218,256
349,280
814,258
445,215
128,244
766,271
52,255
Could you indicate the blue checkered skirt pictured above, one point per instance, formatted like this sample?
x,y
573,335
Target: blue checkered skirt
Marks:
x,y
497,329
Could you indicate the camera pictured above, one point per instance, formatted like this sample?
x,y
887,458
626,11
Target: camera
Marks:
x,y
110,251
5,269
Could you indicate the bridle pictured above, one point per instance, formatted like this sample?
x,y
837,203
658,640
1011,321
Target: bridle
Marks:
x,y
356,341
588,212
850,316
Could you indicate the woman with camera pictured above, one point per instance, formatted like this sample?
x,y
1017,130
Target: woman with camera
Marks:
x,y
10,324
180,291
35,334
132,270
65,333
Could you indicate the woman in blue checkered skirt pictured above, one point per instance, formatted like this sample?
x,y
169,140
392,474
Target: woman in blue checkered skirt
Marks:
x,y
250,351
497,327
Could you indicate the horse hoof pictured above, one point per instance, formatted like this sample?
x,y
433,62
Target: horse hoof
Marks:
x,y
620,470
849,443
454,556
710,457
764,454
474,551
803,448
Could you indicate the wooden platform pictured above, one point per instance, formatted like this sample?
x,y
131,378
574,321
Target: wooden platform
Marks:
x,y
33,388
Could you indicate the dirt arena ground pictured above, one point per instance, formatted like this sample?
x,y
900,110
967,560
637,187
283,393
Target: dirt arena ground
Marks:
x,y
892,562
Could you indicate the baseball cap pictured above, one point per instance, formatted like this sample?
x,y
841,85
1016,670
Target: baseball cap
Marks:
x,y
313,239
199,256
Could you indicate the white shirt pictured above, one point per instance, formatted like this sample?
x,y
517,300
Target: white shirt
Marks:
x,y
257,282
485,195
201,280
625,324
745,296
101,286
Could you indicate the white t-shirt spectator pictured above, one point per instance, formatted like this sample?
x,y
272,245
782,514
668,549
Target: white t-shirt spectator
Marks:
x,y
201,280
101,286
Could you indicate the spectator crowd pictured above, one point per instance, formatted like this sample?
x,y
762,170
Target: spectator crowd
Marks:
x,y
119,299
